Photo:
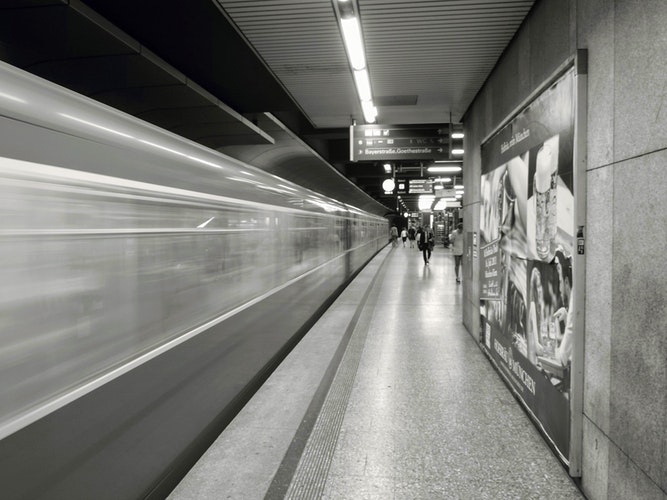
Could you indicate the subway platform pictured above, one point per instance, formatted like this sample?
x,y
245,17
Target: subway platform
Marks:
x,y
387,397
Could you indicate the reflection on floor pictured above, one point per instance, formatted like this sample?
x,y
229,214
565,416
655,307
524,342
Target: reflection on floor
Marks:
x,y
412,409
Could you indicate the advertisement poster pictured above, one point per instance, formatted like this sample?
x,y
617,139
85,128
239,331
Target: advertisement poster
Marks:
x,y
525,250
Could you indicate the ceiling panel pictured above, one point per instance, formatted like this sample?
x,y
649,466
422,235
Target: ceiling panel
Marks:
x,y
301,44
440,51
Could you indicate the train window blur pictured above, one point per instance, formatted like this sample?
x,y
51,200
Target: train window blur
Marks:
x,y
97,273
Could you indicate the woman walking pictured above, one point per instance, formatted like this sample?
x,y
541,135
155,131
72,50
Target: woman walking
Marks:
x,y
456,239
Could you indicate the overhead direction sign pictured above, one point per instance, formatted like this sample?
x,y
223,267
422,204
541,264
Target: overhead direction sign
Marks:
x,y
399,142
420,186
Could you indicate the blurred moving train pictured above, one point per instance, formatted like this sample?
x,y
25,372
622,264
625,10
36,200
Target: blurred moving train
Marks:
x,y
148,285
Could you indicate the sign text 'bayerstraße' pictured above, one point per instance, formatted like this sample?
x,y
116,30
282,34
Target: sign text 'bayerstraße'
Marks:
x,y
399,142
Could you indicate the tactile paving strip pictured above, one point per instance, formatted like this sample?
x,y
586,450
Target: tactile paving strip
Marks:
x,y
310,474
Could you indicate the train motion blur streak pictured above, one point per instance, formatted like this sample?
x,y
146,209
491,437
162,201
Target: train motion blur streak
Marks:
x,y
147,283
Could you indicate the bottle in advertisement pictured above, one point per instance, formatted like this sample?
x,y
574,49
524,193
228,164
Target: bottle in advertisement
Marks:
x,y
500,200
509,200
545,184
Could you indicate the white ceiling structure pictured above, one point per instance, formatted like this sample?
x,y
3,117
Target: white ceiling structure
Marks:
x,y
427,58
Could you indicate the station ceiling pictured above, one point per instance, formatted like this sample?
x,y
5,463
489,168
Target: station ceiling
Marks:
x,y
268,81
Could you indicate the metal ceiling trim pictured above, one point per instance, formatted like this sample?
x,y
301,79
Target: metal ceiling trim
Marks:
x,y
150,56
260,58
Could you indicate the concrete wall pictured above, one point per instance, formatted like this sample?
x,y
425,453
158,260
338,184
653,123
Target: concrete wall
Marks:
x,y
625,388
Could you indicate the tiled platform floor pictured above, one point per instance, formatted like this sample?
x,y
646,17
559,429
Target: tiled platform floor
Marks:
x,y
415,410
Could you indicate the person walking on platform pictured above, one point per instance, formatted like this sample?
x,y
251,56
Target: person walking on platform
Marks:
x,y
404,236
393,236
426,243
456,240
411,236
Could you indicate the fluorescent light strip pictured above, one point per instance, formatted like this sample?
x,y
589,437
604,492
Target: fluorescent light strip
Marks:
x,y
370,112
444,169
363,85
353,42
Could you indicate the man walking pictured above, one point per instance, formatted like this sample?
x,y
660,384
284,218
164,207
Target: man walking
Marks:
x,y
426,242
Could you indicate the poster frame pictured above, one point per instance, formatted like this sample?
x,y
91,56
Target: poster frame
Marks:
x,y
578,62
579,271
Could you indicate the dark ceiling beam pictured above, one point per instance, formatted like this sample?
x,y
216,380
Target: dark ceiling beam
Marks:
x,y
73,46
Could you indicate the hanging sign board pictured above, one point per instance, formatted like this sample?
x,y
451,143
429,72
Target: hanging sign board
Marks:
x,y
399,142
420,186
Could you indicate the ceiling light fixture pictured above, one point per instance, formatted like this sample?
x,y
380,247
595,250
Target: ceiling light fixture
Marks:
x,y
353,42
425,203
457,151
347,12
443,169
363,84
370,111
458,135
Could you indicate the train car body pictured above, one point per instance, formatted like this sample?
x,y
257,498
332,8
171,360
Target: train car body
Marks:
x,y
147,286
